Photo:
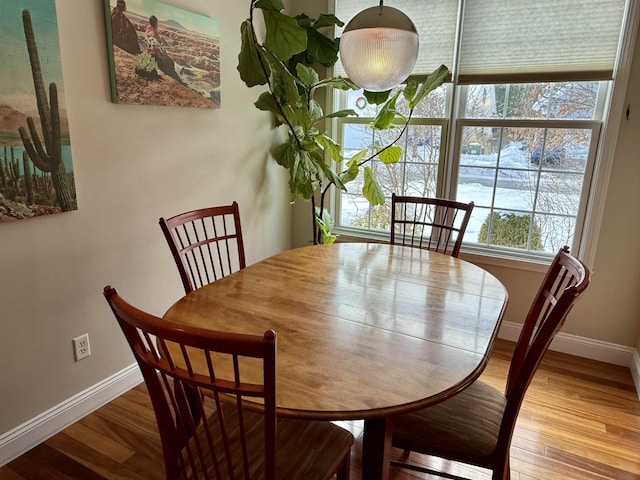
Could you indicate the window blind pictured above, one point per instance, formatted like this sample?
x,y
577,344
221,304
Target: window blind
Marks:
x,y
550,39
511,40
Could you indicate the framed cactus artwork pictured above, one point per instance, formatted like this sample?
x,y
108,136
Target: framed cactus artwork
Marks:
x,y
36,170
162,55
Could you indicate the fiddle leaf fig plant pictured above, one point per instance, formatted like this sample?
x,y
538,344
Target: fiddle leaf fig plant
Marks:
x,y
287,62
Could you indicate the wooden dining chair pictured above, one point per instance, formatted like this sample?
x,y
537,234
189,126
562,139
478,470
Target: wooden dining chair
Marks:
x,y
476,425
432,223
201,403
206,244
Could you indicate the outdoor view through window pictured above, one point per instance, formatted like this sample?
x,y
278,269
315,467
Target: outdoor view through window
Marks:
x,y
523,151
521,157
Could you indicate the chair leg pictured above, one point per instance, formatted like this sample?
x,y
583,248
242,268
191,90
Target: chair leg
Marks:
x,y
344,472
503,472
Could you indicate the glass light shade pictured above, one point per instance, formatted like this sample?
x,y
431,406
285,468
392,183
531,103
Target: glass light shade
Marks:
x,y
379,48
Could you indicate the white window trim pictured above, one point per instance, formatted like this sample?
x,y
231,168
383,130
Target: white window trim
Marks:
x,y
594,126
599,185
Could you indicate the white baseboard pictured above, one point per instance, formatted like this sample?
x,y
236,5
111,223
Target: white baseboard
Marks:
x,y
635,371
586,348
35,431
578,346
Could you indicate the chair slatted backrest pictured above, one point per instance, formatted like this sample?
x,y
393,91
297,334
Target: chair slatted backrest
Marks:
x,y
206,244
566,279
205,440
433,223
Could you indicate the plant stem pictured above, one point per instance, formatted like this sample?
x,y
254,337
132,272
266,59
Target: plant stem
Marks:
x,y
313,215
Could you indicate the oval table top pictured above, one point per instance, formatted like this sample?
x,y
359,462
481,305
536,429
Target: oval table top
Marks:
x,y
363,330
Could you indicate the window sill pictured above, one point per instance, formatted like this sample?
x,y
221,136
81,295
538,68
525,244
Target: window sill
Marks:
x,y
530,263
471,253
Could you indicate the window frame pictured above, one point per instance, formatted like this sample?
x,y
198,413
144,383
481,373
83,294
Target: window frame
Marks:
x,y
609,108
594,125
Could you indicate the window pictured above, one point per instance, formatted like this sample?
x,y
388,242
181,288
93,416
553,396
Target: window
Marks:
x,y
525,157
517,129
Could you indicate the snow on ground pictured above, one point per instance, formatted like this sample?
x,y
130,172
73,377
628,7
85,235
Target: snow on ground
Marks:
x,y
516,180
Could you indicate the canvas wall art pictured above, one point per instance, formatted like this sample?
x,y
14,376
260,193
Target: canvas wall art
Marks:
x,y
36,170
162,55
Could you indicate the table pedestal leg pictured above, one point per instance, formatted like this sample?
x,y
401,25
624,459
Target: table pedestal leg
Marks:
x,y
376,449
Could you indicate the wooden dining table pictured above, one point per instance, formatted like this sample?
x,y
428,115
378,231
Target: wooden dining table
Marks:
x,y
364,330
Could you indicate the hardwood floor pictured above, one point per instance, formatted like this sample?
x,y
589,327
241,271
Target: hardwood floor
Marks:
x,y
580,420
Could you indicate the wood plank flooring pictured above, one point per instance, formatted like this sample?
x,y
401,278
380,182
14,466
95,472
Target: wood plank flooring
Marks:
x,y
580,420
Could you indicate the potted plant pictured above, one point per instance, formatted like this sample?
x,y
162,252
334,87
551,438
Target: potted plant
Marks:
x,y
288,62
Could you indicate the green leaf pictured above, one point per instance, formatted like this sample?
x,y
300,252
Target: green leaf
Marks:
x,y
273,5
283,83
307,75
310,144
327,20
298,131
358,157
322,48
350,174
376,98
303,119
372,190
325,225
303,176
386,115
289,113
249,66
432,82
390,155
331,176
353,167
315,112
410,90
267,103
329,239
284,37
304,20
341,83
328,144
341,114
284,155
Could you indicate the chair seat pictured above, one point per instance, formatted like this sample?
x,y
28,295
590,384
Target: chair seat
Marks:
x,y
465,427
306,450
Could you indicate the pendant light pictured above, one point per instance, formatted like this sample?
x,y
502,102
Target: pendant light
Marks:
x,y
379,48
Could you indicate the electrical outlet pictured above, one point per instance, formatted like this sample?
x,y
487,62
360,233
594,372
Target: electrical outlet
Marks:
x,y
81,348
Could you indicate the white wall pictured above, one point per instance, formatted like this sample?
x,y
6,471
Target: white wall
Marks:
x,y
132,165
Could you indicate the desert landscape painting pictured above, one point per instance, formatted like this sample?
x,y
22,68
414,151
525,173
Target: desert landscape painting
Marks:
x,y
162,55
36,170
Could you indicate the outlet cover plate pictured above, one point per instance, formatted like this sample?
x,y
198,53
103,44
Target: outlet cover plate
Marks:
x,y
81,347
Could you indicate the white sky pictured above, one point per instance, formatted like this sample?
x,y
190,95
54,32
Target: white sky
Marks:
x,y
189,20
